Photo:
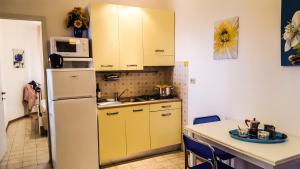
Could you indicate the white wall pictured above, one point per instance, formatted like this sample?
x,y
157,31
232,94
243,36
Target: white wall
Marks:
x,y
55,11
254,85
19,35
36,68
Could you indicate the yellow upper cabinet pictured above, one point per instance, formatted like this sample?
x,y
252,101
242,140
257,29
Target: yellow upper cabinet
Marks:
x,y
104,34
116,33
158,37
130,38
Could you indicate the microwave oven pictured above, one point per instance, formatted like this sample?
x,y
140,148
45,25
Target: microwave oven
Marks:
x,y
70,47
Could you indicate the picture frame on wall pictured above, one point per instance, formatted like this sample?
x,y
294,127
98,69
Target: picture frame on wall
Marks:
x,y
226,35
290,33
18,58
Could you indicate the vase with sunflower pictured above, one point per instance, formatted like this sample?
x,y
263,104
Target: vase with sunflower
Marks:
x,y
78,20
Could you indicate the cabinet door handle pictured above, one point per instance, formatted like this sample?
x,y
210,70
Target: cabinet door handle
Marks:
x,y
132,65
159,50
112,114
107,65
74,76
166,114
166,106
138,110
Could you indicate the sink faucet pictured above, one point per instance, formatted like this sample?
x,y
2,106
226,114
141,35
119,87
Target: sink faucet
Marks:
x,y
117,96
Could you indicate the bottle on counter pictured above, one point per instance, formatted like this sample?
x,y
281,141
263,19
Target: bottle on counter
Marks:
x,y
98,93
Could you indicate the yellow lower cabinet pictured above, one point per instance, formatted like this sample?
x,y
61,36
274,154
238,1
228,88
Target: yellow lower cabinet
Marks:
x,y
137,129
112,136
165,128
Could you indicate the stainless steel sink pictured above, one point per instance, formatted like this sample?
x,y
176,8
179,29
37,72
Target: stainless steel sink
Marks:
x,y
121,101
126,100
131,100
109,103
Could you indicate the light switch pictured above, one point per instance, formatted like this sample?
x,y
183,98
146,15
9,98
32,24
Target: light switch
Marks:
x,y
193,81
186,63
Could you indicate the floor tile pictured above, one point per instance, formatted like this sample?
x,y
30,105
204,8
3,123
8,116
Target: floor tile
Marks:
x,y
173,160
26,149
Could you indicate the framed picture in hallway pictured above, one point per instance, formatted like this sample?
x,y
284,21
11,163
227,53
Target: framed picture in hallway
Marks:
x,y
226,37
18,58
290,33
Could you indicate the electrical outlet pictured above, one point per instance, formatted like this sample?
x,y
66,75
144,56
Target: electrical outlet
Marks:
x,y
193,81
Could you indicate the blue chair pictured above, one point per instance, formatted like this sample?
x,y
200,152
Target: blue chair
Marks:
x,y
219,153
203,151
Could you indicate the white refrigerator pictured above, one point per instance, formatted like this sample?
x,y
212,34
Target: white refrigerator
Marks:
x,y
73,118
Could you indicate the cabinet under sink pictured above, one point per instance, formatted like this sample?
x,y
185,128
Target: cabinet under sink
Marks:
x,y
133,131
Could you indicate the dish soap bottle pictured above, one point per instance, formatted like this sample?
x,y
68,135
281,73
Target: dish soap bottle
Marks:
x,y
98,93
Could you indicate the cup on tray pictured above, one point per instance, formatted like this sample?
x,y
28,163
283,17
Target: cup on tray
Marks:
x,y
243,132
263,135
270,129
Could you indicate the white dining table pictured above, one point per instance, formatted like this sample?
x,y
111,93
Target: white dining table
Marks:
x,y
249,155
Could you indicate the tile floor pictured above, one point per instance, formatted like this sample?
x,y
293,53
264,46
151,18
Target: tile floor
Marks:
x,y
173,160
26,149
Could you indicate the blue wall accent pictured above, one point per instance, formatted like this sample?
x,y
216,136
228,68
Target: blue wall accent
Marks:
x,y
289,7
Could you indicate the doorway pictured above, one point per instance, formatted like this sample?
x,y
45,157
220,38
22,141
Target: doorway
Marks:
x,y
23,93
21,62
2,125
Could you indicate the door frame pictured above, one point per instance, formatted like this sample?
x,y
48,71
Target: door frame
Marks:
x,y
45,38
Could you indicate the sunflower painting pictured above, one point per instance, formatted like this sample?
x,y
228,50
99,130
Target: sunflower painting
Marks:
x,y
226,39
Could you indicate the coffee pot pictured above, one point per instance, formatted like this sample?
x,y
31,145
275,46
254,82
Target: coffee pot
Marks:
x,y
253,127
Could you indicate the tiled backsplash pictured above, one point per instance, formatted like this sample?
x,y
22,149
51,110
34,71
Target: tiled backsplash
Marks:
x,y
142,83
180,83
137,83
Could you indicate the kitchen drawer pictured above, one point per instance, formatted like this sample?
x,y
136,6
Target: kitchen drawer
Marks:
x,y
165,106
138,108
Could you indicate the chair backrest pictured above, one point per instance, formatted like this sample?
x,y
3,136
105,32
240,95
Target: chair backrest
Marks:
x,y
206,119
201,149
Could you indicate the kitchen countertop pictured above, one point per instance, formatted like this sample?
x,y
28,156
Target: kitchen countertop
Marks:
x,y
124,104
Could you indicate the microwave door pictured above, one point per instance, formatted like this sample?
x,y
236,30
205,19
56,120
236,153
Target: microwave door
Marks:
x,y
66,47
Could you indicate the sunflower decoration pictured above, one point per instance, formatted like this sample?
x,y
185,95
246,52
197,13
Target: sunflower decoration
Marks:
x,y
78,20
226,39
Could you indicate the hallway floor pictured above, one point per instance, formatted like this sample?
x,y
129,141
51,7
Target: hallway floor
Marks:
x,y
26,149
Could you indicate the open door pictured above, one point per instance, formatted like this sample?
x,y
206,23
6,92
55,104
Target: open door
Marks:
x,y
2,119
2,123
